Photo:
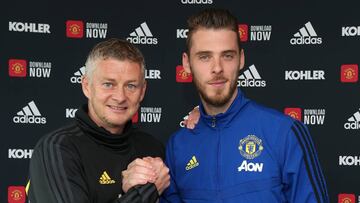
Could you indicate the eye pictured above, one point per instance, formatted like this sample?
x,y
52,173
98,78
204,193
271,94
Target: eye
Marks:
x,y
107,85
228,56
131,86
204,57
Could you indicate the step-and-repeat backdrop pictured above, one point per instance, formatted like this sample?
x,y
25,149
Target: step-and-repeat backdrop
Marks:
x,y
301,58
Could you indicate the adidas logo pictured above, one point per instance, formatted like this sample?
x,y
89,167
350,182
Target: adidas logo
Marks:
x,y
251,78
354,122
77,75
105,179
142,35
29,114
192,163
306,35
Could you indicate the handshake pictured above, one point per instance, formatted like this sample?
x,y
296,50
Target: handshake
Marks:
x,y
146,170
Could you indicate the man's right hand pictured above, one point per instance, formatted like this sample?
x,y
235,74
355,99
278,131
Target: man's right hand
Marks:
x,y
138,172
162,171
192,118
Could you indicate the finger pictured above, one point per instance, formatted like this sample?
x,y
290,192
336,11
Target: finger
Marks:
x,y
140,162
139,177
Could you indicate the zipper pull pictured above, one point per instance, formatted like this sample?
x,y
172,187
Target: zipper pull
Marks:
x,y
213,123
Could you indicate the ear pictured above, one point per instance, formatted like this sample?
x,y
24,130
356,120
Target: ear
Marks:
x,y
186,62
242,59
143,90
85,85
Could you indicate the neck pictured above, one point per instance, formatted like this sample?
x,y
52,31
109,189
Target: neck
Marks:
x,y
114,130
213,110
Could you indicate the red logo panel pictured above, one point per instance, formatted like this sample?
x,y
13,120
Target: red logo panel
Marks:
x,y
17,68
243,31
293,112
16,194
349,73
74,29
182,75
346,198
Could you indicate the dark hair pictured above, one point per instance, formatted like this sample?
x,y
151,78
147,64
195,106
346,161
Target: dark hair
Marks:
x,y
211,19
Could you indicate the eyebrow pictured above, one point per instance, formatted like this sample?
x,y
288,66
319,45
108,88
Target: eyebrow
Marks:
x,y
209,52
229,51
113,80
202,53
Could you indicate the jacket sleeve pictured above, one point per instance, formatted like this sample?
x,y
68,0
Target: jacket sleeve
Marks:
x,y
171,194
140,194
301,172
56,174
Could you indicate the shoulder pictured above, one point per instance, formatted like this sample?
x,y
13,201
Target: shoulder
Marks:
x,y
268,116
58,138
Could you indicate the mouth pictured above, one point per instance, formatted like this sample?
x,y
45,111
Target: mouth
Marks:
x,y
117,108
217,83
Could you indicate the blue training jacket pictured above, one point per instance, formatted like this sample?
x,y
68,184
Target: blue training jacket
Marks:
x,y
247,154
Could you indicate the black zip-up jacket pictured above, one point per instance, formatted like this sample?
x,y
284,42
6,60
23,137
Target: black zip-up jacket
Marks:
x,y
82,163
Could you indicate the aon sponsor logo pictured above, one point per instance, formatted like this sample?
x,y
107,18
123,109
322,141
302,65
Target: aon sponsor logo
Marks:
x,y
250,167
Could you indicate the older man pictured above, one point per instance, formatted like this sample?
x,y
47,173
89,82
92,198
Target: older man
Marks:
x,y
100,157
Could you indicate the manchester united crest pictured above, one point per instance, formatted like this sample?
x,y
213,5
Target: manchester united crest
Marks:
x,y
250,147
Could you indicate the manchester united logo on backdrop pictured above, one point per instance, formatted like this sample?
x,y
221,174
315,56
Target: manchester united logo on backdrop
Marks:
x,y
250,147
349,72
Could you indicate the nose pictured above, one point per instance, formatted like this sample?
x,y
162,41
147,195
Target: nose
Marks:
x,y
217,66
119,95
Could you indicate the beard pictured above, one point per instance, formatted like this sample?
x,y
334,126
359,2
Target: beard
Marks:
x,y
221,97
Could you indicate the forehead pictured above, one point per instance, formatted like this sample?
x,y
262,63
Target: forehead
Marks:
x,y
214,40
117,69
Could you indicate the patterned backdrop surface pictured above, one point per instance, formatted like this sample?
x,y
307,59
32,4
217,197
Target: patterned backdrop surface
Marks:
x,y
301,59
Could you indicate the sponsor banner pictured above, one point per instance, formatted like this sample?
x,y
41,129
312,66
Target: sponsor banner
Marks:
x,y
150,114
29,27
182,76
70,112
306,36
349,73
147,115
74,29
346,198
29,114
353,122
304,75
307,116
80,29
17,67
251,78
20,153
76,78
181,33
16,194
152,74
349,160
294,113
350,31
243,32
196,2
34,69
254,32
142,35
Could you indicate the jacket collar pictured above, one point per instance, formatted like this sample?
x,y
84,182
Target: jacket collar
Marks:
x,y
222,120
118,142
